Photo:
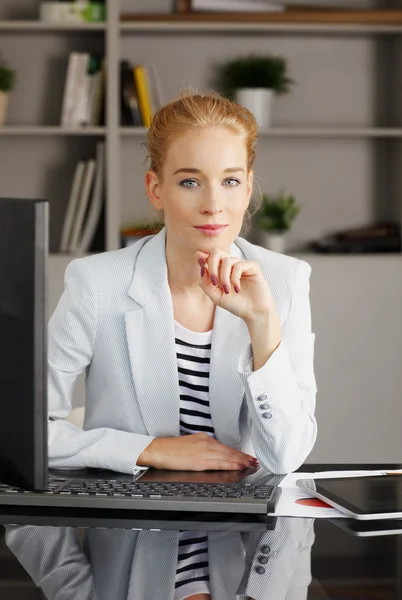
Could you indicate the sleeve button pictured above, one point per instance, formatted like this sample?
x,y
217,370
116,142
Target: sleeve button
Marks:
x,y
267,415
260,570
262,397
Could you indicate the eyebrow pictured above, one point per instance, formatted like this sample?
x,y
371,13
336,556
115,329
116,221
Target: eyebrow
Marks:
x,y
192,170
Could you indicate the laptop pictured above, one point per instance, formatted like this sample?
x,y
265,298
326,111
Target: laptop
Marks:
x,y
373,497
24,476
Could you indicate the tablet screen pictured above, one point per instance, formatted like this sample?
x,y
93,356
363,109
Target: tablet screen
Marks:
x,y
364,495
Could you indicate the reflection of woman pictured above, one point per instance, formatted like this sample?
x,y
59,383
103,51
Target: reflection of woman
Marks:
x,y
190,331
132,565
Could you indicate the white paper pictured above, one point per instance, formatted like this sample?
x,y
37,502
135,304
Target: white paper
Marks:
x,y
289,504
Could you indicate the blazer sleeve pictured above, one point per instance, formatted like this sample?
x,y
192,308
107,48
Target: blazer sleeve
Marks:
x,y
281,394
71,340
53,558
287,573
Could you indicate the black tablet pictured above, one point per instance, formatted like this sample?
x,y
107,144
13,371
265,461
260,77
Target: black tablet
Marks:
x,y
371,497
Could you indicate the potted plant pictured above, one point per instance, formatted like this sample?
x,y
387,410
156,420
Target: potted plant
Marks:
x,y
253,80
6,85
275,218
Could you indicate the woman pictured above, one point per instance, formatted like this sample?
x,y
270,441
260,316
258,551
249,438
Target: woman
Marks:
x,y
197,345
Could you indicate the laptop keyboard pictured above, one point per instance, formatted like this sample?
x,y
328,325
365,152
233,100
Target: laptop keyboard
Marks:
x,y
157,490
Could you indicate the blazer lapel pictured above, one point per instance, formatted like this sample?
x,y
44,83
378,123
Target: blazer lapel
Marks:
x,y
151,341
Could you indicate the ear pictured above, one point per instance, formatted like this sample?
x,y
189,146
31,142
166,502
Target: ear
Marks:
x,y
250,179
153,189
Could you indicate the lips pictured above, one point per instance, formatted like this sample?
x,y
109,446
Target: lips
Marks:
x,y
210,227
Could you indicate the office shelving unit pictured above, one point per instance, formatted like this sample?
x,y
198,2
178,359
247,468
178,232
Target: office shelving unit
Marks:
x,y
114,38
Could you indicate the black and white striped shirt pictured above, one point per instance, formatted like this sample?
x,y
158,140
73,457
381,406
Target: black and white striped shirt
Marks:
x,y
193,350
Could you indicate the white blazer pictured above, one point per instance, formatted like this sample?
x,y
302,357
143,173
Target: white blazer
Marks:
x,y
141,565
115,320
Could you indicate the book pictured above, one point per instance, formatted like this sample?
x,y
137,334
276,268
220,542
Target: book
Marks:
x,y
72,205
98,95
129,105
69,89
155,88
81,91
96,203
84,196
143,94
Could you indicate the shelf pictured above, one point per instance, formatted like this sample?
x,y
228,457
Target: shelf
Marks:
x,y
305,132
68,256
45,26
11,130
291,21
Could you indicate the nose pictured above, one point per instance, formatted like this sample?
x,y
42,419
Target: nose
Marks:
x,y
211,203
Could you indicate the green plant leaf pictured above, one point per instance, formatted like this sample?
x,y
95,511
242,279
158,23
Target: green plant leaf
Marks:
x,y
277,213
255,71
7,77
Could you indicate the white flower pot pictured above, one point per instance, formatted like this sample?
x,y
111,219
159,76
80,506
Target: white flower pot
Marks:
x,y
272,240
259,102
3,106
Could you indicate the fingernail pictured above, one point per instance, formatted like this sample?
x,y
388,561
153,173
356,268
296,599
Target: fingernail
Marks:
x,y
226,289
201,262
242,466
202,270
236,289
214,280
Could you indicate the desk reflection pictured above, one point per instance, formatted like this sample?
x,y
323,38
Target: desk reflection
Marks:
x,y
114,564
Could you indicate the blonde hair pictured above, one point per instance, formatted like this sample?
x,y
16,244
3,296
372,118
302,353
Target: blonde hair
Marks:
x,y
195,110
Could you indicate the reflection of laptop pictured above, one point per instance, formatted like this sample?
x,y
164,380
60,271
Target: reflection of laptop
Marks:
x,y
23,418
364,498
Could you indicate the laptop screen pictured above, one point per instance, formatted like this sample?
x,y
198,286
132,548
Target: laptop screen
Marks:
x,y
23,356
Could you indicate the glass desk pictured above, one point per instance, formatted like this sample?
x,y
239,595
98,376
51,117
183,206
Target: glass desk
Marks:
x,y
275,559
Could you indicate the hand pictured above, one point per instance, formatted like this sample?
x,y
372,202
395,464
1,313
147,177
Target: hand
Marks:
x,y
196,476
235,284
194,452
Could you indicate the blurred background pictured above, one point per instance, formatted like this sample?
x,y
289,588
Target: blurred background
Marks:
x,y
79,82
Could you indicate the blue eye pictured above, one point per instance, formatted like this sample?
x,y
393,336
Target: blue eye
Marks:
x,y
187,181
234,182
237,182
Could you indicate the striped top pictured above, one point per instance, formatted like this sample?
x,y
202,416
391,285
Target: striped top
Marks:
x,y
193,351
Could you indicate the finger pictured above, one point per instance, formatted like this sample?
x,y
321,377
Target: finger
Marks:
x,y
230,454
221,465
201,255
227,266
213,264
235,276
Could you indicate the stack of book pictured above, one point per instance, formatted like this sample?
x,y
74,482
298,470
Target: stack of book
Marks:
x,y
140,94
83,218
84,91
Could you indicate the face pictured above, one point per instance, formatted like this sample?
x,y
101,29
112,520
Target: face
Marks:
x,y
205,181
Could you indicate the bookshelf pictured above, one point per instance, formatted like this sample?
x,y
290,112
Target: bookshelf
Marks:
x,y
49,130
118,38
304,132
379,132
38,26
